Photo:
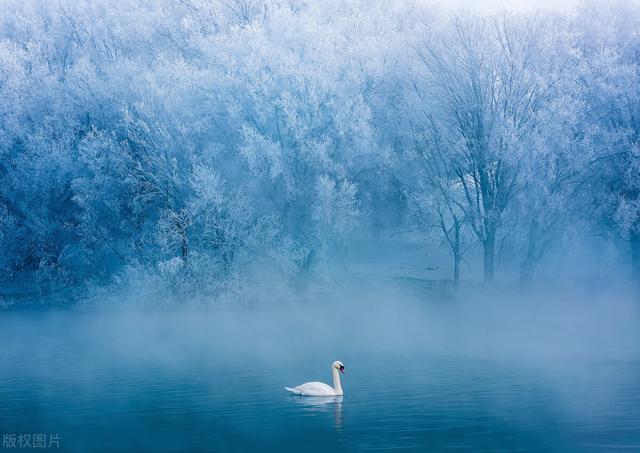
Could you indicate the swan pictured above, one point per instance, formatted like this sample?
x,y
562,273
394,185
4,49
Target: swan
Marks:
x,y
320,388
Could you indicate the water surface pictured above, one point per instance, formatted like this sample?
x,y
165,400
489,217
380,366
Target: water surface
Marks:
x,y
171,382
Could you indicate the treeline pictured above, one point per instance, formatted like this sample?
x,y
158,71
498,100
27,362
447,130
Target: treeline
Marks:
x,y
209,145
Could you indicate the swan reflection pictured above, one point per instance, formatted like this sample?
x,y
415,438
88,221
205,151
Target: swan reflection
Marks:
x,y
323,404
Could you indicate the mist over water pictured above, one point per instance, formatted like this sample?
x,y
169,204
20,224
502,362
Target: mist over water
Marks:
x,y
554,371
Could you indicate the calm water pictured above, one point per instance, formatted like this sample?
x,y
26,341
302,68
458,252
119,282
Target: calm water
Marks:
x,y
166,385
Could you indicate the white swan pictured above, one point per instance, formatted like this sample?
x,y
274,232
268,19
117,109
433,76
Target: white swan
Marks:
x,y
320,388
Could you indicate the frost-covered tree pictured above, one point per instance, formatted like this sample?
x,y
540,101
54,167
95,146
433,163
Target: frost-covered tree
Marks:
x,y
484,89
437,197
552,161
609,77
206,145
300,123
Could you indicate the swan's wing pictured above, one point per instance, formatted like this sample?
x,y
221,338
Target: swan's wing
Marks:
x,y
313,389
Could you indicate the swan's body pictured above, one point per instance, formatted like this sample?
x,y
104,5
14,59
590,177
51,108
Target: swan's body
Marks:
x,y
320,388
315,389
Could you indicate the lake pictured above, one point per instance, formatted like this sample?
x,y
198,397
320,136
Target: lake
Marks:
x,y
173,381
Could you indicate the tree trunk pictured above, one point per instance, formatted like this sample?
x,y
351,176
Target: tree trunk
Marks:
x,y
634,242
184,248
457,257
456,270
488,246
527,266
526,271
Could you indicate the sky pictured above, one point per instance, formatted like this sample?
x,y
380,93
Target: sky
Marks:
x,y
519,5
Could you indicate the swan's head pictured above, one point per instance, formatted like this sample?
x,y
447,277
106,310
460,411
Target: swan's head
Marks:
x,y
338,365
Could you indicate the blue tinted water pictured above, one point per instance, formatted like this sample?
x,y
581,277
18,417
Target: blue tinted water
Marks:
x,y
115,389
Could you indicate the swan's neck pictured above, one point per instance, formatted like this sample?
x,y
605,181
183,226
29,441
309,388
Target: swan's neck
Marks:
x,y
336,381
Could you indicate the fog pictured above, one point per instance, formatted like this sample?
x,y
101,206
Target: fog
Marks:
x,y
195,375
538,329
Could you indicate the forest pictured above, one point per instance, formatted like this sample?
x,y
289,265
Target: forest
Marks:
x,y
221,149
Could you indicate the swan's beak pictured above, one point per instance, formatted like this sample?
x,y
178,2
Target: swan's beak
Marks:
x,y
341,370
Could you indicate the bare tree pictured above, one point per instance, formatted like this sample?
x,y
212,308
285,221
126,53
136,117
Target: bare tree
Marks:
x,y
440,198
484,96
